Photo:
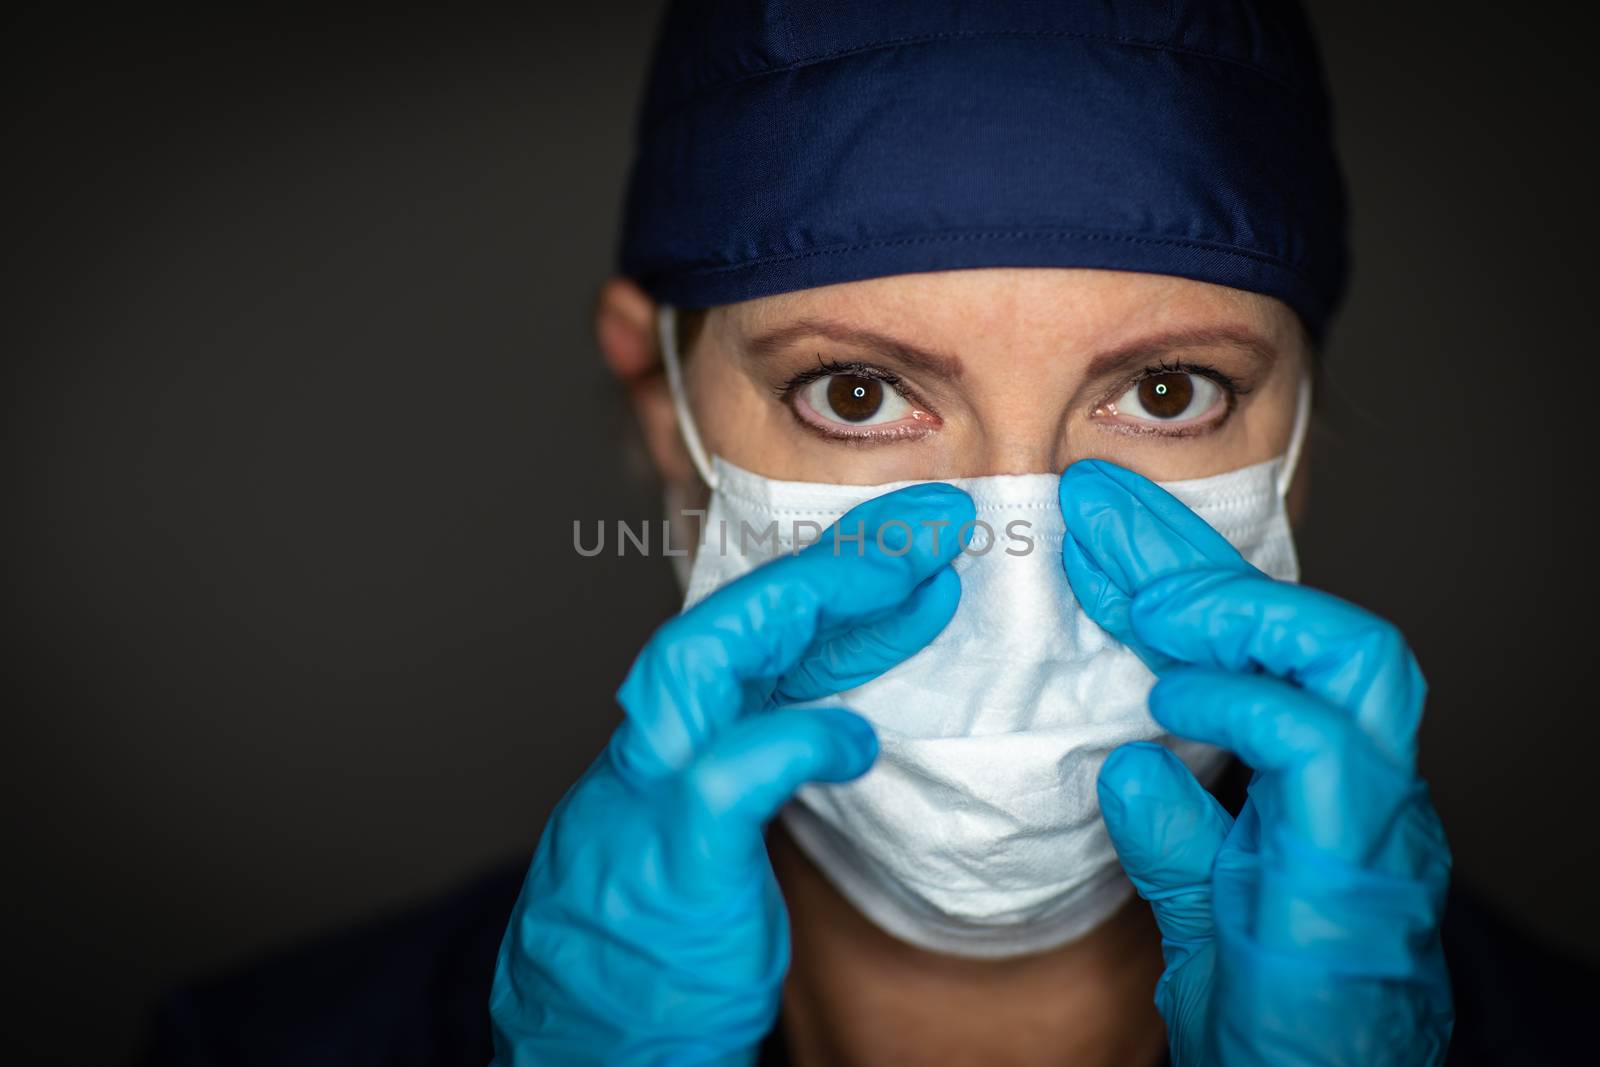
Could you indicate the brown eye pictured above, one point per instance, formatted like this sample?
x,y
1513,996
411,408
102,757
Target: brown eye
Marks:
x,y
1169,397
1166,396
854,398
859,403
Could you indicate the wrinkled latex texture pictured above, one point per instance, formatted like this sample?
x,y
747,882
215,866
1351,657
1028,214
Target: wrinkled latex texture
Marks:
x,y
1306,932
650,929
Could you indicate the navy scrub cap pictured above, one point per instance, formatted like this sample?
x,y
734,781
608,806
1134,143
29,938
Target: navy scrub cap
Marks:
x,y
787,144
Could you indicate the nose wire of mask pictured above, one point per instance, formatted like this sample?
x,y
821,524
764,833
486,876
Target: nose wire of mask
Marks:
x,y
977,832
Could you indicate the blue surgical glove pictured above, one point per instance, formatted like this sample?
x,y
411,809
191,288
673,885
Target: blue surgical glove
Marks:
x,y
1307,931
650,929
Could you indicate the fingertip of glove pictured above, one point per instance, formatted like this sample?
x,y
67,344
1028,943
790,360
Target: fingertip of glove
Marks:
x,y
936,491
942,587
940,496
1101,475
1178,688
1084,468
1128,769
1090,493
1083,481
855,731
928,513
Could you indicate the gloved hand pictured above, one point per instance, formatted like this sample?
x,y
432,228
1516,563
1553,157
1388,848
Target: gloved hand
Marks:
x,y
1307,932
650,929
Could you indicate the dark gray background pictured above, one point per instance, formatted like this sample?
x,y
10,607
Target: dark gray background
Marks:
x,y
303,403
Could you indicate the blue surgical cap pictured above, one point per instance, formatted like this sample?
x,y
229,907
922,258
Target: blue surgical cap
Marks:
x,y
788,144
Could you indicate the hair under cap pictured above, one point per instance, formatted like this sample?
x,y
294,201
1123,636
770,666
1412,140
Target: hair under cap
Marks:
x,y
788,144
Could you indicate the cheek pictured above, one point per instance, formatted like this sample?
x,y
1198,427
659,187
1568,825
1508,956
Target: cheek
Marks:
x,y
737,418
718,397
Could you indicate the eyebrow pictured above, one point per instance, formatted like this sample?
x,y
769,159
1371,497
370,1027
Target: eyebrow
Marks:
x,y
917,357
1153,346
1139,351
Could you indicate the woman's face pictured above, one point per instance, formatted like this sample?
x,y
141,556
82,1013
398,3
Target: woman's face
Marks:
x,y
997,371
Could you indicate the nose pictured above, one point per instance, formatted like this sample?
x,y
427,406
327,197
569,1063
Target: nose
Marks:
x,y
1022,436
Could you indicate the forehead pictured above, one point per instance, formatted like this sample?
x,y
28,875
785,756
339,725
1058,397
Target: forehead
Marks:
x,y
1049,309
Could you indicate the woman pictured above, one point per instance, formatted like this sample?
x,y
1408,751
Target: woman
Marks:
x,y
1031,296
1043,256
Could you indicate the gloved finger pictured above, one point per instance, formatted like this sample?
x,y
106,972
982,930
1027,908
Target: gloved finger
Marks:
x,y
1167,830
752,769
727,652
858,654
1242,622
1134,552
1124,531
1319,774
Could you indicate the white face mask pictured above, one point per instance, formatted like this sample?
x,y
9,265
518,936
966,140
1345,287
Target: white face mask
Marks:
x,y
978,832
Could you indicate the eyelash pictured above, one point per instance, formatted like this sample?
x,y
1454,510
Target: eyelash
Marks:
x,y
1231,386
827,368
1232,389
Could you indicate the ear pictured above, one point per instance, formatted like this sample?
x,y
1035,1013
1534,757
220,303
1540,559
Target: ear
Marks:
x,y
625,330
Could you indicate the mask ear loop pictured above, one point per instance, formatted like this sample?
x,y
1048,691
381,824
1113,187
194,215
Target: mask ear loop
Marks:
x,y
667,337
1297,436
